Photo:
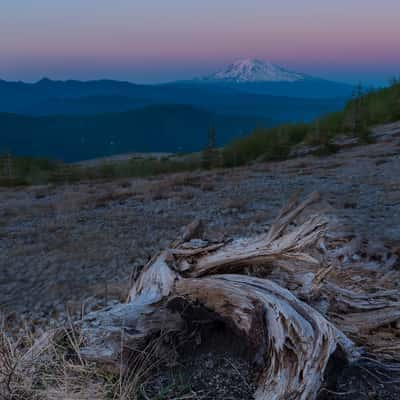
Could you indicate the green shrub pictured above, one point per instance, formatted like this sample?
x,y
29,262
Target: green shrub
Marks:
x,y
28,171
265,143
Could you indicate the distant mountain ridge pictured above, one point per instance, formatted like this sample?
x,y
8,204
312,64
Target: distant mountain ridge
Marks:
x,y
255,70
48,97
256,76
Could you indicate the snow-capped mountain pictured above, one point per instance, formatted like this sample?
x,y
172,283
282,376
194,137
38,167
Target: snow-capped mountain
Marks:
x,y
255,70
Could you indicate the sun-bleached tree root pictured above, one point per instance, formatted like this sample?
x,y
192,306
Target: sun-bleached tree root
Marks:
x,y
290,341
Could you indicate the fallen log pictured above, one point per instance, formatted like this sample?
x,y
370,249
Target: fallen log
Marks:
x,y
290,342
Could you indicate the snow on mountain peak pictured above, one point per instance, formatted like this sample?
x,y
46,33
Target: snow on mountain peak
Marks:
x,y
255,70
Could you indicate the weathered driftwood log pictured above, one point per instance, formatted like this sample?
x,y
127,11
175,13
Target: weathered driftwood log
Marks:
x,y
289,340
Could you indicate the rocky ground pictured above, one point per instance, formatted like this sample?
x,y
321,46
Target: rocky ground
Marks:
x,y
75,247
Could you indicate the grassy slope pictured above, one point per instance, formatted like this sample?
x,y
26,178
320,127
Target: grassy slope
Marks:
x,y
360,113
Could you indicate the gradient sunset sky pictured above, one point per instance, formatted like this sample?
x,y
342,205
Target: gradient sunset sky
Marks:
x,y
163,40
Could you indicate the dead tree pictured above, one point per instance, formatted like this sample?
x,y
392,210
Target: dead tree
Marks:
x,y
266,289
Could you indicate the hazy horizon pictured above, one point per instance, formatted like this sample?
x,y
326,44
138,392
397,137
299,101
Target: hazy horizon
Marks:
x,y
186,75
153,41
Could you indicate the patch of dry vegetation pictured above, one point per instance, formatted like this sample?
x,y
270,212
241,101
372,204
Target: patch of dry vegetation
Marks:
x,y
51,367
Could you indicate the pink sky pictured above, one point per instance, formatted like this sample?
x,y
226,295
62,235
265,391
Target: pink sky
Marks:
x,y
158,40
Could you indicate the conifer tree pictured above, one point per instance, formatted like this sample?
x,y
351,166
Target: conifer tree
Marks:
x,y
6,165
210,154
360,115
395,86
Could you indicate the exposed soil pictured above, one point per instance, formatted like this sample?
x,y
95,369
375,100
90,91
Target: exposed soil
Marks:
x,y
363,382
216,376
205,376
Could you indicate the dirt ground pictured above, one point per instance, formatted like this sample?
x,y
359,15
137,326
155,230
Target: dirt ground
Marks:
x,y
73,248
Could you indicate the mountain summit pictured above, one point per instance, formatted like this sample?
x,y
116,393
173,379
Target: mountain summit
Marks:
x,y
255,70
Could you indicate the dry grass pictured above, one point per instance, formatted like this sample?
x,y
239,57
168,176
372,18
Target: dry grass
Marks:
x,y
52,368
15,377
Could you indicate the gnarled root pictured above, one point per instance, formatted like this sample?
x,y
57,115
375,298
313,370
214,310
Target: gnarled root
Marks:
x,y
290,342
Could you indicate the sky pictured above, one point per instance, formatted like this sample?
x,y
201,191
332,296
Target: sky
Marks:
x,y
149,41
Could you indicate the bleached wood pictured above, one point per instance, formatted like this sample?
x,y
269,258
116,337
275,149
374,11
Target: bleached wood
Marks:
x,y
290,340
293,340
154,283
259,249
